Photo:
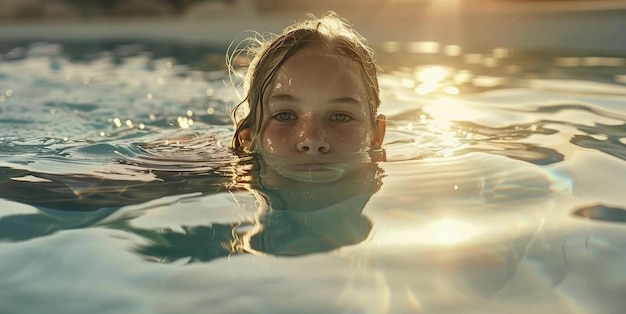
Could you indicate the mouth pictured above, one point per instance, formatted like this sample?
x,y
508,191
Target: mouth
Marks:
x,y
312,173
311,168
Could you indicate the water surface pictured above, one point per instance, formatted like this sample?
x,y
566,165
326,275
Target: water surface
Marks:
x,y
500,189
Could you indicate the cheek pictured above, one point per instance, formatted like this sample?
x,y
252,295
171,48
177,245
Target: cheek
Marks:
x,y
273,141
352,139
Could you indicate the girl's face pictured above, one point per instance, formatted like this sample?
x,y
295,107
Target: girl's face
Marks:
x,y
316,109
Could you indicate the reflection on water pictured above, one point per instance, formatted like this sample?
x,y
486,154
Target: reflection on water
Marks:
x,y
602,213
292,219
500,172
609,139
432,67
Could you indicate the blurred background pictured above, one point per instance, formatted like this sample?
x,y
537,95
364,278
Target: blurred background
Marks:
x,y
474,24
21,10
522,38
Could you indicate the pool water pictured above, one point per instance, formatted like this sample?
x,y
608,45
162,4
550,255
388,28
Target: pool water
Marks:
x,y
500,189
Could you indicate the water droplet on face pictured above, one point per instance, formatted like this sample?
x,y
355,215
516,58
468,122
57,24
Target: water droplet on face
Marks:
x,y
269,145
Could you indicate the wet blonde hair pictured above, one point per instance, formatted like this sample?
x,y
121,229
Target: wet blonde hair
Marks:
x,y
329,34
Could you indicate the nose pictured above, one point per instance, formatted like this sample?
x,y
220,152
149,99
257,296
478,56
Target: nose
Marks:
x,y
313,147
312,139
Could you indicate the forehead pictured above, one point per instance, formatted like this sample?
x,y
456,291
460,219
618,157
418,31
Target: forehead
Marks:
x,y
320,69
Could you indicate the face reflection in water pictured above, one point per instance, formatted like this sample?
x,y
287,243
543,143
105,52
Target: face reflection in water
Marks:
x,y
308,217
303,188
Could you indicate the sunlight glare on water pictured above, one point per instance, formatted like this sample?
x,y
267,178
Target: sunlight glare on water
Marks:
x,y
441,232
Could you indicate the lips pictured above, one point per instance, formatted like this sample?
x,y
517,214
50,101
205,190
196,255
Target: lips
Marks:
x,y
311,168
312,173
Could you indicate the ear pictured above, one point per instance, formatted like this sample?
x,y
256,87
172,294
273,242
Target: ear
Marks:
x,y
379,131
245,139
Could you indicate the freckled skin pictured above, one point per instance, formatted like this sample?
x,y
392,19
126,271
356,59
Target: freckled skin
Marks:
x,y
316,108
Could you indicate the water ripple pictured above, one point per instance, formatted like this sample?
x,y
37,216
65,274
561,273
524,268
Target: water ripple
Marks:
x,y
602,212
609,139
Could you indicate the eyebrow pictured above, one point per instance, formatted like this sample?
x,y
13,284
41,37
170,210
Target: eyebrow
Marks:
x,y
284,98
338,100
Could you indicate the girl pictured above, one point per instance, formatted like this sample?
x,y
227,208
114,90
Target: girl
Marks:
x,y
311,95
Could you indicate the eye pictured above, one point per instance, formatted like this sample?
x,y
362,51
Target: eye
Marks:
x,y
284,116
341,117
